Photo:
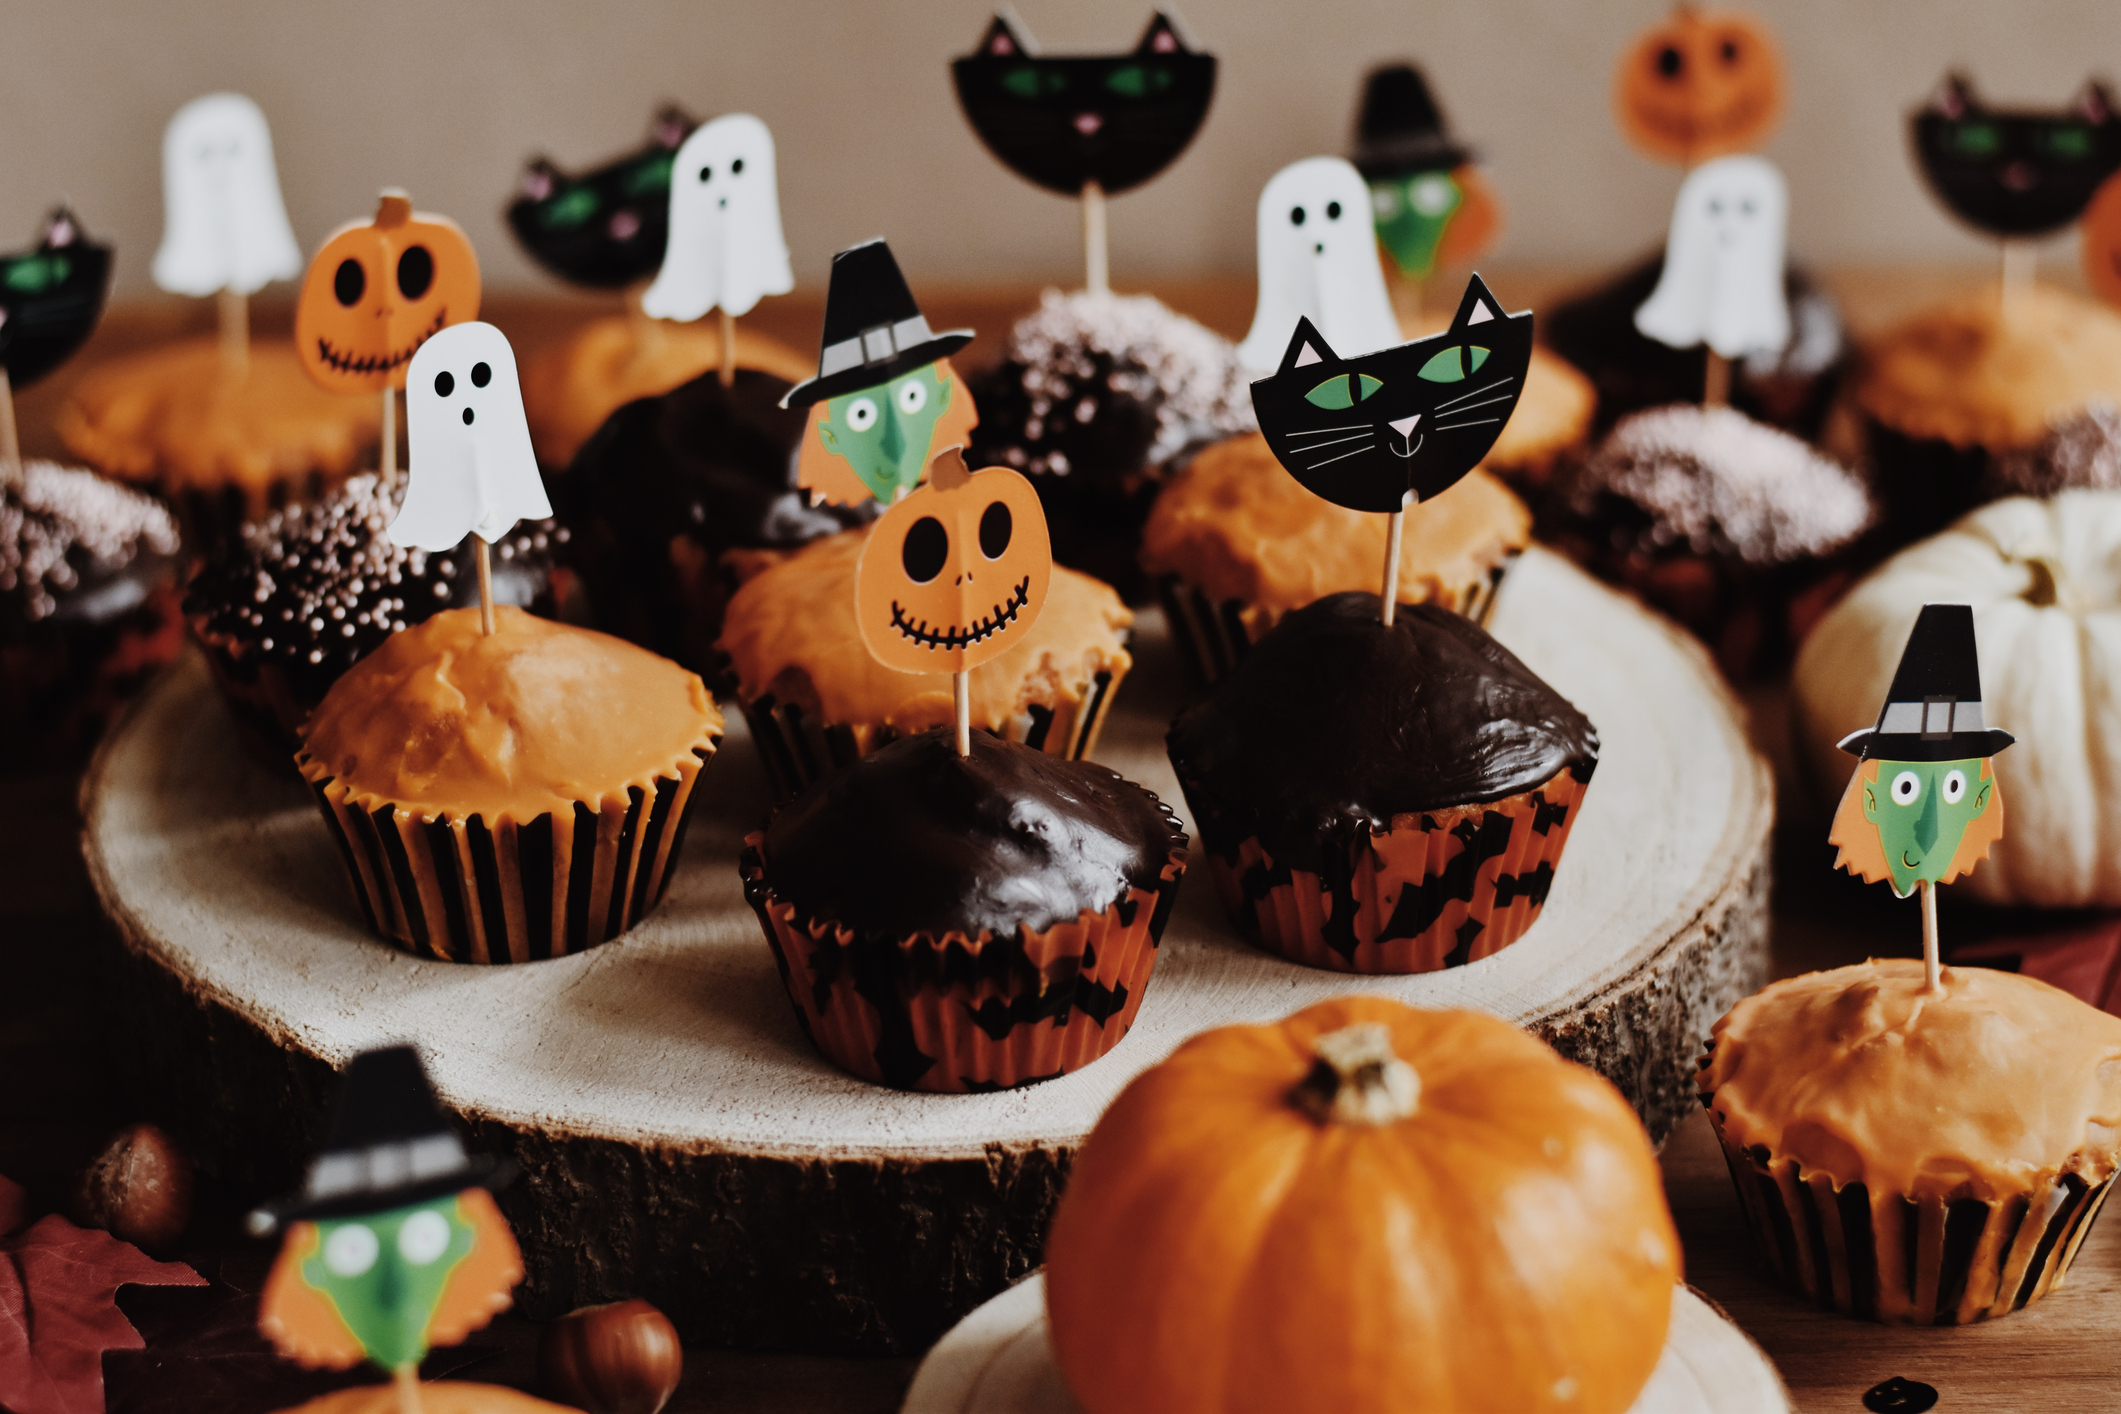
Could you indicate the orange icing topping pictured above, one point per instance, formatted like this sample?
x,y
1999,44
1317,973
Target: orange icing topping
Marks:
x,y
1239,527
1988,1091
443,719
790,630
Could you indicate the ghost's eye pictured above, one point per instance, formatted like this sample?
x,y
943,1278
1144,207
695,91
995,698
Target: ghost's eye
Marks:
x,y
350,1250
1446,367
706,174
861,414
1331,394
736,168
1954,787
1366,385
1716,206
1332,211
912,397
444,385
423,1237
1906,787
995,527
481,375
1296,215
416,272
927,547
349,283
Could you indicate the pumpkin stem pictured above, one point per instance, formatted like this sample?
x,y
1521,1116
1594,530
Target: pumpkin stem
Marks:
x,y
2045,584
1357,1079
947,470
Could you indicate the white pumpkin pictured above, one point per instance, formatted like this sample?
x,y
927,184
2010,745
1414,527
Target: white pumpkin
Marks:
x,y
2044,578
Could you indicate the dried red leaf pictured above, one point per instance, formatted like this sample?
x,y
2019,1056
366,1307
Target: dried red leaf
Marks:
x,y
14,1205
58,1313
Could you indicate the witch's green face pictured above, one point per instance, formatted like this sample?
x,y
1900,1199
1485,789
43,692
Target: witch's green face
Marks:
x,y
884,432
384,1273
1922,809
1412,214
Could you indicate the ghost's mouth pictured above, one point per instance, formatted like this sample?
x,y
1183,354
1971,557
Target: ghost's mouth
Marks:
x,y
341,362
999,618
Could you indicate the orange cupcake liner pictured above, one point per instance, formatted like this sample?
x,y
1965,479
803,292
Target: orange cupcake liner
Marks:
x,y
464,890
954,1015
1439,889
1902,1260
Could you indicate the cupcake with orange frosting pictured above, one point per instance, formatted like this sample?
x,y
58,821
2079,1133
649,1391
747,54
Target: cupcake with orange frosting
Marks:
x,y
510,796
1917,1158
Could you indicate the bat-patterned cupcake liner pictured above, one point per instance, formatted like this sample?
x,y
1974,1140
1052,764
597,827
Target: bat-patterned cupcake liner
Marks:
x,y
800,750
1902,1260
464,890
1214,636
953,1015
1439,889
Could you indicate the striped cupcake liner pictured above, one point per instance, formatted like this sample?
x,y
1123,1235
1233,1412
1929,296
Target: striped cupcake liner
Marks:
x,y
800,750
1905,1261
463,891
957,1016
1446,888
1214,636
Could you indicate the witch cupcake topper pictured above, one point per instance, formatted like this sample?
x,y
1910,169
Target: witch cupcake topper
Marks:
x,y
1428,201
1924,804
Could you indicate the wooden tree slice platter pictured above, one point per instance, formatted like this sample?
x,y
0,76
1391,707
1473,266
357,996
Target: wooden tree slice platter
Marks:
x,y
679,1139
999,1360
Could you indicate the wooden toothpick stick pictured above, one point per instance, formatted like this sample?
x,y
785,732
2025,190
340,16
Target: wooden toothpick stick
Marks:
x,y
1395,534
728,371
1932,968
233,309
406,1380
485,583
961,688
387,466
2020,258
10,443
1096,273
1716,381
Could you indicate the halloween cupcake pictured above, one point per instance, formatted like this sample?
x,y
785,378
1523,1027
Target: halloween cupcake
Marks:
x,y
1234,543
88,603
1382,798
816,700
1094,397
2082,452
971,923
1736,529
1917,1158
311,590
509,796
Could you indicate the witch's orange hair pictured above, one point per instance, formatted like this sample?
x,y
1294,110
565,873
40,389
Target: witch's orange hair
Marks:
x,y
1864,856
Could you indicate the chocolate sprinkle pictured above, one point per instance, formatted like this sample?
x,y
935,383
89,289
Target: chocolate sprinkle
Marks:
x,y
1333,724
69,540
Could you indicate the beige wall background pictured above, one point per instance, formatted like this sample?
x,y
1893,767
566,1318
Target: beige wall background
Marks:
x,y
448,97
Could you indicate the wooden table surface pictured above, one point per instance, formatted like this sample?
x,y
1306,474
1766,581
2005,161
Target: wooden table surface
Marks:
x,y
58,1100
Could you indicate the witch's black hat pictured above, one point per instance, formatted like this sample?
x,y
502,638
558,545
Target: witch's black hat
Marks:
x,y
873,329
390,1145
1400,128
1932,711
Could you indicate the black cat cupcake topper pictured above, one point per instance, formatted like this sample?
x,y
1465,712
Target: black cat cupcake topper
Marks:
x,y
50,298
604,229
2016,172
1371,432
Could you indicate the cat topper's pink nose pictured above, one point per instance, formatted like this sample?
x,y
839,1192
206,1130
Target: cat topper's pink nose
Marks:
x,y
1404,426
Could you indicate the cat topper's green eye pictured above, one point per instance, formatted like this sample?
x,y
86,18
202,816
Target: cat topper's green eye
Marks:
x,y
1334,392
1448,367
570,210
1976,140
1028,81
39,273
1134,81
651,176
2070,141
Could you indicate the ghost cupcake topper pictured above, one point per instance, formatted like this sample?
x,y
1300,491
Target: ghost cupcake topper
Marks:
x,y
50,299
394,1244
472,470
1318,261
1722,280
1924,805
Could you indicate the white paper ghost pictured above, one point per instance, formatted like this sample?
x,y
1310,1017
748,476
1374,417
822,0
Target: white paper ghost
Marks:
x,y
224,227
1318,258
471,464
1722,280
725,243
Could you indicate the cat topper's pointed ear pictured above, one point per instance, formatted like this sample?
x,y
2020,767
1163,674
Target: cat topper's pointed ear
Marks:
x,y
2095,102
1477,306
1955,96
1306,345
1006,35
1165,35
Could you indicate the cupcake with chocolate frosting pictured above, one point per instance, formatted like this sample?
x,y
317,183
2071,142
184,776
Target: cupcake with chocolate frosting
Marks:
x,y
510,796
960,924
2081,452
1383,799
1916,1158
311,590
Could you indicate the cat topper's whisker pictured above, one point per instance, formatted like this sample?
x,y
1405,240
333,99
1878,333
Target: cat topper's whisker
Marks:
x,y
1318,431
1341,458
1489,402
1500,382
1454,426
1316,446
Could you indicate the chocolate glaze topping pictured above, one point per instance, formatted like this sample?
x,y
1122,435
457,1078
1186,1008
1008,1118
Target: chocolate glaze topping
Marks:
x,y
1332,724
78,546
914,839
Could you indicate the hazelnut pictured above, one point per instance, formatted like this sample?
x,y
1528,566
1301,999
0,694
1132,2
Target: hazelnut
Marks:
x,y
138,1189
618,1358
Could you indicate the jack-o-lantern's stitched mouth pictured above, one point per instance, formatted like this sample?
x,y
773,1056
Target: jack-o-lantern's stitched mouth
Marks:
x,y
368,363
999,618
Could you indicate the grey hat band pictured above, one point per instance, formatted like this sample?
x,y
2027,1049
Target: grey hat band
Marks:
x,y
880,344
1934,717
384,1166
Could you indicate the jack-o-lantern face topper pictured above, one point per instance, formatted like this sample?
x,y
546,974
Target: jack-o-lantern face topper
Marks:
x,y
379,289
1924,804
1702,84
955,573
2100,238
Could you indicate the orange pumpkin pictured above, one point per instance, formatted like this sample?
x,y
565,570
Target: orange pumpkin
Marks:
x,y
1703,84
379,289
956,572
2100,236
1363,1206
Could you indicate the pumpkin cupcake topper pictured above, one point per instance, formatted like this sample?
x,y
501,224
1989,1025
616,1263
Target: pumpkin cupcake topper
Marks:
x,y
394,1244
1924,804
50,300
1429,201
1700,84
